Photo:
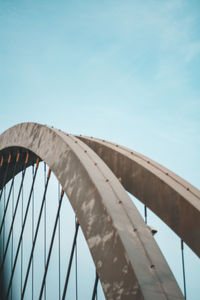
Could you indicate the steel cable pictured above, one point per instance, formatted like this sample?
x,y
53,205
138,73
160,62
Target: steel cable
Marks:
x,y
36,233
23,227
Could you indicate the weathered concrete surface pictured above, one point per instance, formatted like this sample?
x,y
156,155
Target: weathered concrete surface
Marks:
x,y
170,197
128,261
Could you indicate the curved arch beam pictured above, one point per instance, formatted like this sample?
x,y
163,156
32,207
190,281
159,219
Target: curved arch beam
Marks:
x,y
128,260
170,197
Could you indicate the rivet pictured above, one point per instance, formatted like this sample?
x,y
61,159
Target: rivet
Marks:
x,y
85,151
188,189
152,266
120,201
167,174
107,180
76,142
131,152
135,229
95,164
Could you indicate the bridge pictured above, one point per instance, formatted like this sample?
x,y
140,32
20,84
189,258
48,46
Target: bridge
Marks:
x,y
94,176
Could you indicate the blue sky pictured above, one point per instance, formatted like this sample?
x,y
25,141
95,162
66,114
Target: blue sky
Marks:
x,y
122,70
127,71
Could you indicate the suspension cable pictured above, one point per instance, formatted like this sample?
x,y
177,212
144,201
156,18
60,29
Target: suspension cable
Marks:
x,y
94,294
70,261
22,213
23,227
36,233
11,261
145,214
45,225
76,265
51,244
183,267
9,193
15,211
59,277
4,190
4,206
6,173
32,234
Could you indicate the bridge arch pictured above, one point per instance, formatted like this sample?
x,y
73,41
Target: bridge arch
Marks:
x,y
169,196
128,260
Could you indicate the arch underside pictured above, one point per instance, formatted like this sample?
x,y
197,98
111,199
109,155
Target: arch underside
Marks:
x,y
128,261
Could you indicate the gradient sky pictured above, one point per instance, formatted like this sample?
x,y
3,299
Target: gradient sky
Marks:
x,y
127,71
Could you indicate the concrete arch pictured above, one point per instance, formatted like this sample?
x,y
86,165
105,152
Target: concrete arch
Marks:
x,y
128,260
170,197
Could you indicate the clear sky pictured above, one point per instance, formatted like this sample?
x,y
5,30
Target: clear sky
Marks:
x,y
127,71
